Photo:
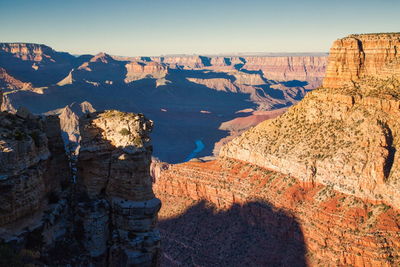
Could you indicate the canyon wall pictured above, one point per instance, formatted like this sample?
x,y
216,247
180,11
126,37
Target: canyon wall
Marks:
x,y
303,224
279,68
362,55
114,172
37,64
344,137
33,164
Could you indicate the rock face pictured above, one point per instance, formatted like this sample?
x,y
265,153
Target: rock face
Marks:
x,y
139,70
69,121
308,225
32,164
280,68
114,172
358,56
35,63
306,68
345,137
7,82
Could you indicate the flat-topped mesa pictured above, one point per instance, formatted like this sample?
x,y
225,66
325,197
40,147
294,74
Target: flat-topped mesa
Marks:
x,y
344,135
27,51
358,56
114,171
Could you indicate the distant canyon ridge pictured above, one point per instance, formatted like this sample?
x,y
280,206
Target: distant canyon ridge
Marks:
x,y
190,98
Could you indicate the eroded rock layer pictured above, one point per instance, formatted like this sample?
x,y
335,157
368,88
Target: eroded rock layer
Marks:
x,y
114,172
286,222
363,55
32,164
345,137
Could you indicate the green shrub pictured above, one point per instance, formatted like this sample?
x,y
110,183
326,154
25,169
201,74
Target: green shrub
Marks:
x,y
124,132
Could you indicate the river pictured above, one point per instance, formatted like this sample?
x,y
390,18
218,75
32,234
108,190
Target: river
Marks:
x,y
199,147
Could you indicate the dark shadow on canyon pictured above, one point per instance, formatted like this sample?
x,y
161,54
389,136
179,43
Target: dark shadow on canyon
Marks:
x,y
253,234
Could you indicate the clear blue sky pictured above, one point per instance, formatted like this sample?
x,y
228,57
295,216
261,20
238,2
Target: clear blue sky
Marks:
x,y
154,27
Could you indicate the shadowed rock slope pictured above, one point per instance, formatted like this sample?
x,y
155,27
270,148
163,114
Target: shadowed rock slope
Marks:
x,y
297,223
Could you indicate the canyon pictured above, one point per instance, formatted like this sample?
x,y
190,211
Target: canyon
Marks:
x,y
318,183
307,176
188,97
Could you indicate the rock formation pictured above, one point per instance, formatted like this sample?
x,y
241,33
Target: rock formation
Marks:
x,y
36,63
30,165
106,219
69,121
114,172
139,70
333,228
330,161
337,135
359,56
280,68
7,82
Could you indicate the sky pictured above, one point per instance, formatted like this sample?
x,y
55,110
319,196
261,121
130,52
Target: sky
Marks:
x,y
160,27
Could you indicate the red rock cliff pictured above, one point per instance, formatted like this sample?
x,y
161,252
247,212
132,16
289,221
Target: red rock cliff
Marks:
x,y
363,55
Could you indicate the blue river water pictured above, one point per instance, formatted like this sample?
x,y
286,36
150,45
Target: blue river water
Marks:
x,y
199,147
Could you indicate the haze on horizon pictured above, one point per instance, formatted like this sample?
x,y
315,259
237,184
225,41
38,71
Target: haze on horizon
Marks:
x,y
158,27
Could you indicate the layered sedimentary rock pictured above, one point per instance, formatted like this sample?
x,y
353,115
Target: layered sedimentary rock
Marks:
x,y
32,155
25,51
346,137
7,82
35,63
298,223
358,56
114,172
304,68
139,70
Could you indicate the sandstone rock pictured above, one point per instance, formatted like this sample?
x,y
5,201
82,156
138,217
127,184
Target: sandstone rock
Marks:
x,y
337,229
363,55
344,137
30,166
10,83
140,70
114,166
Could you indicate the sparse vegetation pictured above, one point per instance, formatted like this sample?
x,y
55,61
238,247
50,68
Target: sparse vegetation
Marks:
x,y
125,132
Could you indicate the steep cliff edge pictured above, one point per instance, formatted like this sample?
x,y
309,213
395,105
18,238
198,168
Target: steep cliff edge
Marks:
x,y
358,56
345,137
120,212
